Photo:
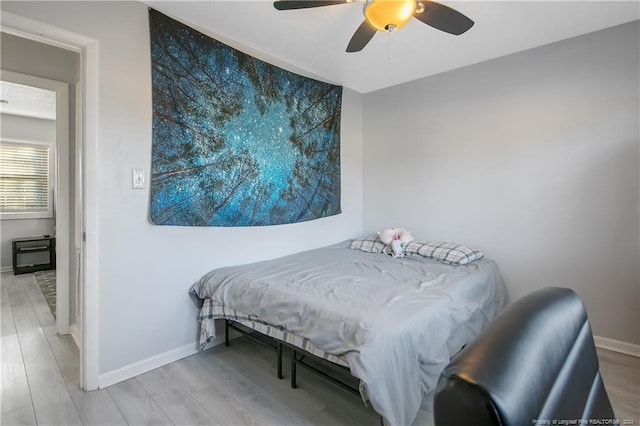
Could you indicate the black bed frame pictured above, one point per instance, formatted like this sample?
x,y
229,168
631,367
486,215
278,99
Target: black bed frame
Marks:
x,y
298,357
271,343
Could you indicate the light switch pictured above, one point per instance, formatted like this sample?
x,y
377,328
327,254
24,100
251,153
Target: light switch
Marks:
x,y
138,179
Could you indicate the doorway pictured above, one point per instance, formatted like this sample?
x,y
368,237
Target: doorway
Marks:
x,y
43,104
86,131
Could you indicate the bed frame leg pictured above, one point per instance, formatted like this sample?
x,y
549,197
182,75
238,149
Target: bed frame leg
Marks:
x,y
293,370
226,332
279,348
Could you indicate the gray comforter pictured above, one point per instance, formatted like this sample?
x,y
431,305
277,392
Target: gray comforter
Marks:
x,y
397,322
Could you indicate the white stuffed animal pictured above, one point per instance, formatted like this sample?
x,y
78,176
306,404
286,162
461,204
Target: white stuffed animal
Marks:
x,y
396,247
397,238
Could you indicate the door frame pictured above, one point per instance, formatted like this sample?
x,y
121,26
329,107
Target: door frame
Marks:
x,y
61,188
87,141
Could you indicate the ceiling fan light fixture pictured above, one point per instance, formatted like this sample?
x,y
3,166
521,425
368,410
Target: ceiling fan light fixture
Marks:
x,y
389,15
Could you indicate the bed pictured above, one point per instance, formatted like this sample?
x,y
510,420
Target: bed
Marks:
x,y
394,322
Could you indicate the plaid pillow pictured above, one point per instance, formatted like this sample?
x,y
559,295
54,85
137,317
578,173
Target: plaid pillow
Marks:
x,y
371,244
449,253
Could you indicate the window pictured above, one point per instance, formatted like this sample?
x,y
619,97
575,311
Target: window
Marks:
x,y
25,180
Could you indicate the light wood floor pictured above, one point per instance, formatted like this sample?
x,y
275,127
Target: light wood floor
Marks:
x,y
223,386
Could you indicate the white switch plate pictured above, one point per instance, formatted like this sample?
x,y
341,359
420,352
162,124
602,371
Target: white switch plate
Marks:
x,y
139,181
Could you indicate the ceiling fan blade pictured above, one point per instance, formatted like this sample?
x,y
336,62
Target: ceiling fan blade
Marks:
x,y
444,18
361,37
304,4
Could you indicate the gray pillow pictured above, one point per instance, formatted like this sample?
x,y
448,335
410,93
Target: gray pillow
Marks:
x,y
371,244
449,253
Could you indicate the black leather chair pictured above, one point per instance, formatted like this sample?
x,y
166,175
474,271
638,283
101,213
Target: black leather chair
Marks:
x,y
535,363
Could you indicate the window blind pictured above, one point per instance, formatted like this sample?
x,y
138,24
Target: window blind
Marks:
x,y
24,177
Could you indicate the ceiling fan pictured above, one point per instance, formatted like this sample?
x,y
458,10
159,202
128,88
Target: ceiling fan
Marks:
x,y
389,15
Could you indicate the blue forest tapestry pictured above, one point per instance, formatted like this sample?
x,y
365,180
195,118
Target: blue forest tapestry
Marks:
x,y
237,141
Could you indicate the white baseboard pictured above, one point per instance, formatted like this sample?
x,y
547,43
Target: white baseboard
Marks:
x,y
617,346
168,357
6,269
145,365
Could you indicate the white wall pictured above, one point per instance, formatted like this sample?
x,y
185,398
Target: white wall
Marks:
x,y
532,158
32,130
145,271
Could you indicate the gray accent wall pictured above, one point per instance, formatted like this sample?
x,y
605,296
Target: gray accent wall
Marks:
x,y
531,158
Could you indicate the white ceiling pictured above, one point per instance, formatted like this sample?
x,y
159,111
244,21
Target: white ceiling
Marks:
x,y
27,101
313,41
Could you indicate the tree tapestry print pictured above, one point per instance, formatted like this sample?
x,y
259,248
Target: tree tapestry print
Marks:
x,y
236,141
